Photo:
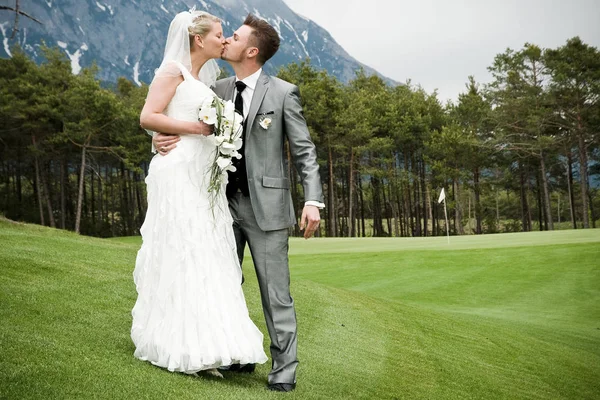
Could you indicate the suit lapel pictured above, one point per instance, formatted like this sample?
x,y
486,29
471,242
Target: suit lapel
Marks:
x,y
259,94
229,89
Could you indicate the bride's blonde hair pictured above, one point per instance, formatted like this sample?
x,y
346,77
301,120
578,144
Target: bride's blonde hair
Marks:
x,y
201,25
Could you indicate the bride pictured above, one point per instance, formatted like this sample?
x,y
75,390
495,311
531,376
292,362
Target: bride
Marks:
x,y
190,314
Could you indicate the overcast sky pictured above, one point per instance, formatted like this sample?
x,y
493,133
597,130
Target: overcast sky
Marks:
x,y
439,43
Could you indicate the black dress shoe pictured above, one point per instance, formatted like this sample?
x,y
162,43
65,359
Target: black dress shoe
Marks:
x,y
282,387
246,368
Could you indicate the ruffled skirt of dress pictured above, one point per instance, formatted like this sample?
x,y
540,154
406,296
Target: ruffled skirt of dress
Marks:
x,y
190,313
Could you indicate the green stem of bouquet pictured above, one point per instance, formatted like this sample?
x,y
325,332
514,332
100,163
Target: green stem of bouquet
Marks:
x,y
216,174
214,185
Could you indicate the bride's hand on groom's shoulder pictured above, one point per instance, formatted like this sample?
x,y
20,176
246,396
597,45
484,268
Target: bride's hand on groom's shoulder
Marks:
x,y
164,142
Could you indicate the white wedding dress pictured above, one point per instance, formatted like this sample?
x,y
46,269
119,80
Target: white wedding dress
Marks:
x,y
190,313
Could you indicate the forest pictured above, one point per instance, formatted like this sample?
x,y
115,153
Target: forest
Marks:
x,y
519,153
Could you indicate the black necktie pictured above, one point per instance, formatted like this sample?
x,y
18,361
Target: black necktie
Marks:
x,y
238,179
239,102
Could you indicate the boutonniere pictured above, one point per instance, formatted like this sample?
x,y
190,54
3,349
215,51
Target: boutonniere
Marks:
x,y
265,122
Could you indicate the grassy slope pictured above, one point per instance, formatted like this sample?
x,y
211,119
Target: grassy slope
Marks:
x,y
501,322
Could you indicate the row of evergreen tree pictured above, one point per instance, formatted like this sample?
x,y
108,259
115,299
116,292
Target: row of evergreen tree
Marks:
x,y
517,154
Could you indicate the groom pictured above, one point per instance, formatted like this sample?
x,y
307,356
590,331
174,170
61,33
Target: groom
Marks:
x,y
259,190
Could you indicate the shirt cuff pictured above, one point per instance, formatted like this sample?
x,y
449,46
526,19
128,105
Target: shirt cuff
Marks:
x,y
314,203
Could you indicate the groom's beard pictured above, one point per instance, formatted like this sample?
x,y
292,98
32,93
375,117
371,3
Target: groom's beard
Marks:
x,y
225,56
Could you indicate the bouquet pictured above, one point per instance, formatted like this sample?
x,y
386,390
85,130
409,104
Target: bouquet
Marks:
x,y
227,136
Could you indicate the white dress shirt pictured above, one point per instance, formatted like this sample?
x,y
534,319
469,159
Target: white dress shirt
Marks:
x,y
247,94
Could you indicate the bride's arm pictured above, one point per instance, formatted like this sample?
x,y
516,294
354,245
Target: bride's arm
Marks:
x,y
152,118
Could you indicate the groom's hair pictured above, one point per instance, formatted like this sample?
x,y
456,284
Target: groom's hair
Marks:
x,y
264,37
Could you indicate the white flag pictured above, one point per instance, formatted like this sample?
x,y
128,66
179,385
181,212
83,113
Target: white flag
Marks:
x,y
442,196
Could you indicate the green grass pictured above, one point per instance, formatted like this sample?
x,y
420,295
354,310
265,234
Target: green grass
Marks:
x,y
468,242
488,317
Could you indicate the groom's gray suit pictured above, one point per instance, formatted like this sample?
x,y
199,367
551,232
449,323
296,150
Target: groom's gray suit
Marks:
x,y
262,219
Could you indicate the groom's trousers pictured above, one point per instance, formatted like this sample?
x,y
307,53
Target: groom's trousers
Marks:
x,y
269,251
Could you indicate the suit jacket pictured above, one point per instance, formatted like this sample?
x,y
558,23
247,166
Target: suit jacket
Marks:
x,y
266,162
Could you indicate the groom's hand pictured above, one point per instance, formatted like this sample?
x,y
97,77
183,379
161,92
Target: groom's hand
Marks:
x,y
164,142
310,220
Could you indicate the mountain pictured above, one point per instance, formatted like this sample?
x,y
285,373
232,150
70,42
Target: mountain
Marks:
x,y
127,37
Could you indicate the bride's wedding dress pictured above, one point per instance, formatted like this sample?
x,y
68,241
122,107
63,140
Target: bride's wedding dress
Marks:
x,y
190,313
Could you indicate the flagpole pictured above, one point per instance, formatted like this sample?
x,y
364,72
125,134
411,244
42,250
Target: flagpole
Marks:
x,y
443,199
446,215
